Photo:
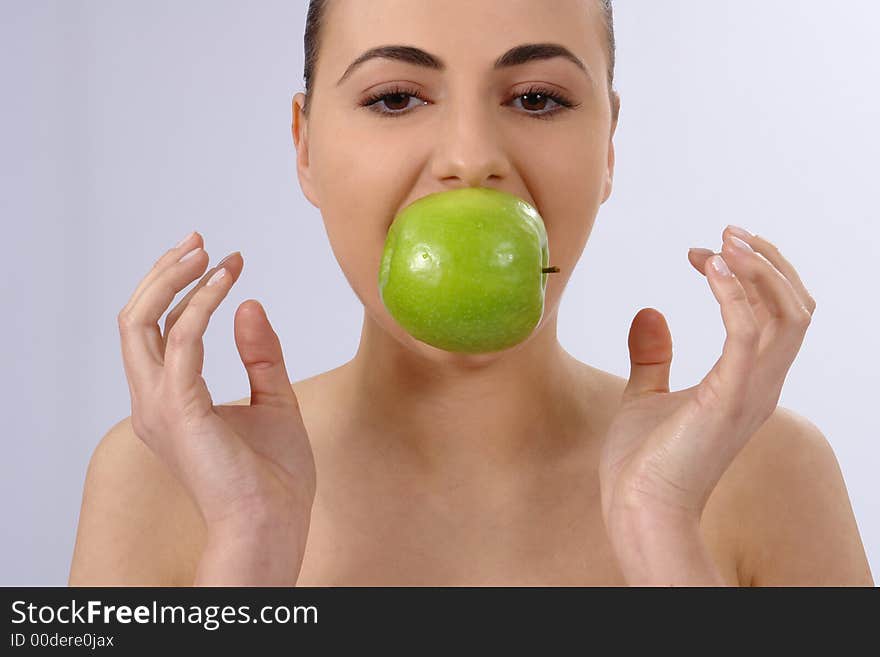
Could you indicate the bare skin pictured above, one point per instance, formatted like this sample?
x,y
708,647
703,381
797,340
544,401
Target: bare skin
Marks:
x,y
374,523
376,520
441,468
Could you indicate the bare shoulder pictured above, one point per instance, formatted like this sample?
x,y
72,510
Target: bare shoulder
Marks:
x,y
136,522
785,500
138,525
781,514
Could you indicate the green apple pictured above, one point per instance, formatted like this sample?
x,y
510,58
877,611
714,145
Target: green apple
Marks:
x,y
466,270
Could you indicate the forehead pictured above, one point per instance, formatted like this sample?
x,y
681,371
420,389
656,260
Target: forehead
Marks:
x,y
461,32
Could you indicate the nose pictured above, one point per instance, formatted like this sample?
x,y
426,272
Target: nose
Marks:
x,y
469,151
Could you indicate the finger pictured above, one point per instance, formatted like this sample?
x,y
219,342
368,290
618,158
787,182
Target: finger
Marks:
x,y
771,252
260,351
184,350
140,338
158,295
728,381
699,258
774,290
233,263
170,257
650,351
783,335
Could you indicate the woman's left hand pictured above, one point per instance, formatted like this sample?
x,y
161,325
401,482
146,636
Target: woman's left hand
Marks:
x,y
665,451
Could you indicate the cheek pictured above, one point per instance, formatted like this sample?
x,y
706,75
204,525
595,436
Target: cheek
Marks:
x,y
569,213
357,240
360,190
352,187
365,163
568,187
567,232
569,223
569,203
359,254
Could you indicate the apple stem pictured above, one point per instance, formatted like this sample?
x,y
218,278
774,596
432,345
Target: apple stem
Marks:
x,y
549,270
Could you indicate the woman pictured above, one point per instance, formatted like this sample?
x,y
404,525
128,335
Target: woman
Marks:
x,y
410,465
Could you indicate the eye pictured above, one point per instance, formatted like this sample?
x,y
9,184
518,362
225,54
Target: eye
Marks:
x,y
393,98
399,96
540,96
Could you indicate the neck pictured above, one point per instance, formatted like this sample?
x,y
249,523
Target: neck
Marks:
x,y
443,411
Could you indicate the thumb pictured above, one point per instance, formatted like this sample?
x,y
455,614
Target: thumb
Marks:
x,y
650,354
260,351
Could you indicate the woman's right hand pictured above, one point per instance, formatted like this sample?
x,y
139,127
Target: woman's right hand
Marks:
x,y
249,469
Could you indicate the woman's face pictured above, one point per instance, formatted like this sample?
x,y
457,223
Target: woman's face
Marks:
x,y
455,124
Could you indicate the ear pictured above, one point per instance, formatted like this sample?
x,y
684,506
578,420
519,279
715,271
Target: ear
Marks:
x,y
615,111
609,180
299,130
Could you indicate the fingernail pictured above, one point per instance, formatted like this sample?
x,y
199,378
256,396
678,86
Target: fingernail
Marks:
x,y
216,277
227,258
720,266
739,245
191,254
185,240
701,251
742,233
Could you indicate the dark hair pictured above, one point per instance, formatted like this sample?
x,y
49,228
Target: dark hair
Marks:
x,y
318,9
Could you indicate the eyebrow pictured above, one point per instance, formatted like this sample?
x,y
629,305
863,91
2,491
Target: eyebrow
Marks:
x,y
516,56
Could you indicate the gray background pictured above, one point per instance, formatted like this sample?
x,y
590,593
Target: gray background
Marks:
x,y
127,124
